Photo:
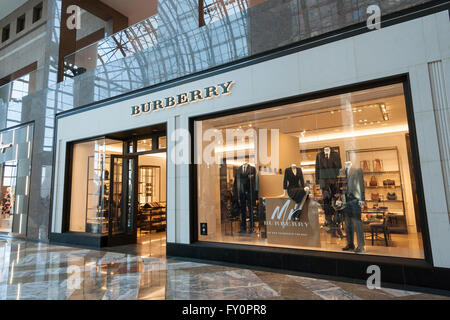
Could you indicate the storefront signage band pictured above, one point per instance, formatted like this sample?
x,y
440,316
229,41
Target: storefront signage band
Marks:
x,y
182,99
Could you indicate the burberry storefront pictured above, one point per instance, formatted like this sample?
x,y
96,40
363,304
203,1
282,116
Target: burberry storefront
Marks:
x,y
316,161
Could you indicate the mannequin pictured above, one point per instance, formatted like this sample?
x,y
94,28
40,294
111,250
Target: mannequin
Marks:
x,y
355,197
294,183
328,164
294,168
245,193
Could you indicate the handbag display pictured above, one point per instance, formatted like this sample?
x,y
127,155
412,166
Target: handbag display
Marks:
x,y
389,183
373,182
377,165
365,165
375,197
391,196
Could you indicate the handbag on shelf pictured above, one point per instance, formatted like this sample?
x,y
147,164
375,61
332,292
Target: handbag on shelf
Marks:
x,y
373,182
365,165
377,166
391,196
389,183
375,196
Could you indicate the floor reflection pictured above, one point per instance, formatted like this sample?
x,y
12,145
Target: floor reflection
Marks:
x,y
30,271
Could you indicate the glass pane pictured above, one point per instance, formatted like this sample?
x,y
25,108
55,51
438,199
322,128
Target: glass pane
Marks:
x,y
130,147
119,200
15,170
162,142
130,194
90,192
144,145
325,174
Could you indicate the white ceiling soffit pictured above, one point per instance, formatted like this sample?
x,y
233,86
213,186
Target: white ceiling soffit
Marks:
x,y
9,6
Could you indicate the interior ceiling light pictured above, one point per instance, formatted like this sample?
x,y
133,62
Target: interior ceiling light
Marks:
x,y
384,111
239,163
156,155
235,148
354,134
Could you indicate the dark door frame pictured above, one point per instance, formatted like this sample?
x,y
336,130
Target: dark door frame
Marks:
x,y
66,236
128,235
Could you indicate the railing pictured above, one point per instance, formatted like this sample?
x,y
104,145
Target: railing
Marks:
x,y
13,94
233,29
134,39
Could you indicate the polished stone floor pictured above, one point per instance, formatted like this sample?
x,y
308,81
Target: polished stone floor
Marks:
x,y
33,271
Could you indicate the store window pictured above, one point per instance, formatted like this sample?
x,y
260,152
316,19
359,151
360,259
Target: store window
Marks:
x,y
20,24
5,33
15,170
37,12
331,174
90,185
162,142
145,145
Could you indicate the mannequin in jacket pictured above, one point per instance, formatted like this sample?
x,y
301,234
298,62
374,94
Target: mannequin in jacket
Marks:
x,y
294,184
328,164
355,198
245,191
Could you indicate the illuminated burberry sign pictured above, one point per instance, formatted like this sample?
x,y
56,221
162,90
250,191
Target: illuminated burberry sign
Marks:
x,y
182,99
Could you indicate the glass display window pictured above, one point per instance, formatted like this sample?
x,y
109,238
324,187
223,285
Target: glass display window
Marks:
x,y
331,174
145,145
162,142
15,171
90,185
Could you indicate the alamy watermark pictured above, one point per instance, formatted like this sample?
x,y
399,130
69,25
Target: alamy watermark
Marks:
x,y
374,20
74,20
374,280
217,146
74,280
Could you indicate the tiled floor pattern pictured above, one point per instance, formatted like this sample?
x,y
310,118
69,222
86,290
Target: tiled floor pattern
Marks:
x,y
49,272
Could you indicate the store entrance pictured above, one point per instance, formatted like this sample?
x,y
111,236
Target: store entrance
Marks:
x,y
151,204
146,165
118,191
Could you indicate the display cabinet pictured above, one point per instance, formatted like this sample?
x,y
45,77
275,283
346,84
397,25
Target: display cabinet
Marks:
x,y
383,182
149,184
152,217
152,212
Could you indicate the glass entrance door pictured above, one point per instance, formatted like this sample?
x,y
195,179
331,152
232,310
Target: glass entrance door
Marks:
x,y
123,195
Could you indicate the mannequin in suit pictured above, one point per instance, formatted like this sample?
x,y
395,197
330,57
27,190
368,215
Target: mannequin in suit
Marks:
x,y
328,164
294,183
245,191
355,197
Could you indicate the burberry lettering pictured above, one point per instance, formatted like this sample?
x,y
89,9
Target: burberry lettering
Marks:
x,y
182,99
